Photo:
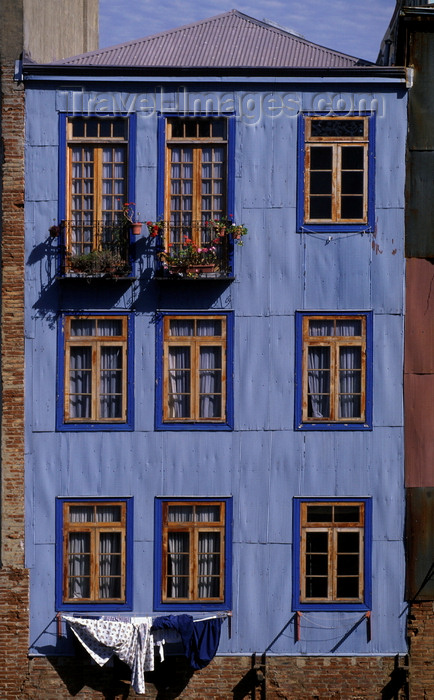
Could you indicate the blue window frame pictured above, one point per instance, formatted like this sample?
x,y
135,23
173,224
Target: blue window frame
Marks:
x,y
332,544
94,554
97,166
193,553
333,370
95,371
336,168
194,367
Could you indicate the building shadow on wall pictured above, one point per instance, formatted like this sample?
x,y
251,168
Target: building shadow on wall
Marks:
x,y
112,681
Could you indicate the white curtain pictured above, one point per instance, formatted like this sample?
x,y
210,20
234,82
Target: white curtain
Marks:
x,y
179,382
110,561
210,384
318,362
178,556
350,382
209,565
111,382
80,382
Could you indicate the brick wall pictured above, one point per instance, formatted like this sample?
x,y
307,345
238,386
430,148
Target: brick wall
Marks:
x,y
13,575
226,678
421,640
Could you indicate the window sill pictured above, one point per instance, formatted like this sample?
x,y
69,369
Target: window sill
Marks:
x,y
172,276
333,426
97,277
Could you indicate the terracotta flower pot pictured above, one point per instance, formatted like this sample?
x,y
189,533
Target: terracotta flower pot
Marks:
x,y
136,228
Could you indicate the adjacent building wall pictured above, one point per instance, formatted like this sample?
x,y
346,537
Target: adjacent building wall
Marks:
x,y
23,26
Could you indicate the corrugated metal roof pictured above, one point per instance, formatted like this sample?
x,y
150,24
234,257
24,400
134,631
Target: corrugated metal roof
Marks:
x,y
231,39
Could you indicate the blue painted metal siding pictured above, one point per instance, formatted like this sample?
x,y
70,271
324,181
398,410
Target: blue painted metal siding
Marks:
x,y
262,464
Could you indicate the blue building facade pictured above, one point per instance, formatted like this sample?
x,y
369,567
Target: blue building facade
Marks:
x,y
224,441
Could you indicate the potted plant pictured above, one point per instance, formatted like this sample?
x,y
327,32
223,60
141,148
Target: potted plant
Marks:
x,y
227,228
189,259
100,262
130,214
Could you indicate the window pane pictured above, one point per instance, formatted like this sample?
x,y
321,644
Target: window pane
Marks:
x,y
352,157
110,565
347,514
321,157
352,183
319,514
208,513
79,565
321,183
82,327
179,382
181,327
108,514
352,207
80,382
349,327
109,327
337,127
348,541
348,587
81,514
320,207
111,383
209,565
209,327
318,382
321,326
178,565
180,514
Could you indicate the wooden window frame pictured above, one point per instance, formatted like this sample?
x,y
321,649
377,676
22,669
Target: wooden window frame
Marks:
x,y
194,342
193,528
96,343
306,141
161,601
196,142
95,529
332,529
97,142
301,526
334,343
302,421
64,528
66,422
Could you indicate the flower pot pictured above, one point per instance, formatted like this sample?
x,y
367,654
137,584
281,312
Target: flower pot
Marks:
x,y
136,228
201,268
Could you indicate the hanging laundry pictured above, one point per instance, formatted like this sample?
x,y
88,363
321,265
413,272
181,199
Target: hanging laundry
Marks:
x,y
130,641
200,638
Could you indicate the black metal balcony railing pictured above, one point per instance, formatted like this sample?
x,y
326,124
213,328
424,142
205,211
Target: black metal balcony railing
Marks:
x,y
98,247
187,248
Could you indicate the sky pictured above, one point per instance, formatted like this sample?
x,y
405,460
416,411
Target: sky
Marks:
x,y
355,27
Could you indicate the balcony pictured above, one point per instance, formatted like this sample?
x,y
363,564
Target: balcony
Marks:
x,y
197,250
95,250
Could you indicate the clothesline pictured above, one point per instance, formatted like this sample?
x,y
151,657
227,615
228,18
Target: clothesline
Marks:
x,y
126,617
